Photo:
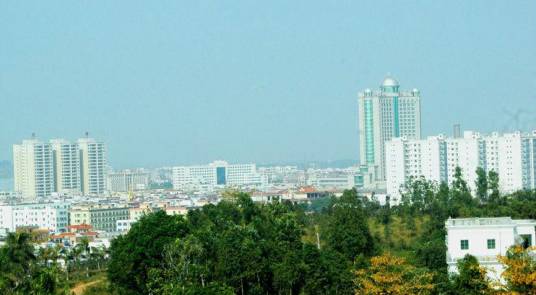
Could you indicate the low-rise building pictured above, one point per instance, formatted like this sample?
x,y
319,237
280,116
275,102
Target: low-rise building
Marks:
x,y
79,215
52,216
486,238
124,225
99,216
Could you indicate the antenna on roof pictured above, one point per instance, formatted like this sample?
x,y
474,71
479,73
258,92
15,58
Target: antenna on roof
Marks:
x,y
33,135
86,134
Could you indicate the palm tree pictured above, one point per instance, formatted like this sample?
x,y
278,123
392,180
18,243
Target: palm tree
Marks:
x,y
65,254
17,257
97,254
19,250
83,247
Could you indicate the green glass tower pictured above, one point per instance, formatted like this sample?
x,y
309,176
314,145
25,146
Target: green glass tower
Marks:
x,y
385,114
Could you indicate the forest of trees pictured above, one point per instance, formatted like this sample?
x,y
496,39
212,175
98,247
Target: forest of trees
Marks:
x,y
345,245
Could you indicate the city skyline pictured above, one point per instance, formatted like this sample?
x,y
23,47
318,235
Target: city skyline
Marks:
x,y
168,84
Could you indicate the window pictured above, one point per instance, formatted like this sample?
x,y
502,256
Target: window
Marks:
x,y
491,243
464,244
526,241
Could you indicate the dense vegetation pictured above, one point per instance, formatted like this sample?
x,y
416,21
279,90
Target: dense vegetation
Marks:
x,y
240,247
345,245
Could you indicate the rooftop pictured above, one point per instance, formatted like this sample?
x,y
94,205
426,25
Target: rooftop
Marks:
x,y
488,221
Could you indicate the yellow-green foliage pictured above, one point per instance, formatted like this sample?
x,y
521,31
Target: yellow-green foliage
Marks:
x,y
400,234
388,274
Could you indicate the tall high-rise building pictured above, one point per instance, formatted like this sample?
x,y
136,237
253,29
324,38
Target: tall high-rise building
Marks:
x,y
66,166
33,169
92,166
385,114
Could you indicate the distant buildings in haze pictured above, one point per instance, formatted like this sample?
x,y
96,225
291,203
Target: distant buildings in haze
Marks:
x,y
128,180
215,174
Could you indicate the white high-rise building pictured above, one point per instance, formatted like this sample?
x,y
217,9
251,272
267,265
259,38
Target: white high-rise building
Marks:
x,y
33,169
92,166
218,173
383,115
512,156
66,160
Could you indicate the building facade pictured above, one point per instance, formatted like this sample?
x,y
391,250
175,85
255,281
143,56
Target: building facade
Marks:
x,y
512,156
92,166
127,180
215,174
66,166
33,169
105,218
100,217
52,216
486,238
79,215
383,115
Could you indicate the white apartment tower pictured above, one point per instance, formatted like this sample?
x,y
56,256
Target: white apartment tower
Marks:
x,y
92,166
511,155
66,166
33,169
383,115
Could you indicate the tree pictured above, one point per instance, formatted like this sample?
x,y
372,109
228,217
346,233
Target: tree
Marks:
x,y
481,183
326,272
97,255
520,270
16,260
459,183
471,277
21,272
388,274
82,250
142,248
461,202
419,194
347,230
493,185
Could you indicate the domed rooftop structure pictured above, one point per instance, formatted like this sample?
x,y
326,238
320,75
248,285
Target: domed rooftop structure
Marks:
x,y
390,82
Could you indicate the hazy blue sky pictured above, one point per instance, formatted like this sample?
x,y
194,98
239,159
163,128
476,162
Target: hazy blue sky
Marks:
x,y
177,82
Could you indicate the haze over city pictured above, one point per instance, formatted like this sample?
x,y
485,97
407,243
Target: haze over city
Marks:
x,y
166,83
277,147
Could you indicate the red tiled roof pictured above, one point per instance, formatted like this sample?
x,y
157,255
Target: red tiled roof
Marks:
x,y
307,189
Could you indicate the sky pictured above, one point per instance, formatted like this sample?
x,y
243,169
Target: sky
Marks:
x,y
182,82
